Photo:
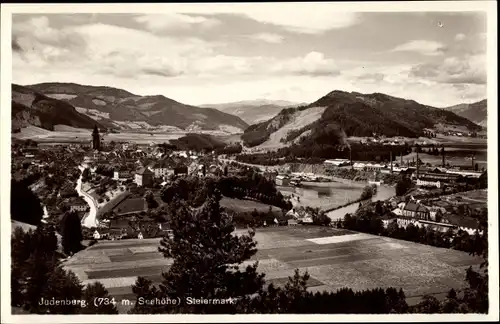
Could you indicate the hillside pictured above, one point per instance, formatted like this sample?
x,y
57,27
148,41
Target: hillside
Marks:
x,y
30,107
120,109
253,111
340,114
476,112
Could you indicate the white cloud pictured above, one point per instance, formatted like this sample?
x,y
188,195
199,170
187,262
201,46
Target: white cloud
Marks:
x,y
424,47
460,37
314,63
268,38
295,17
470,69
175,21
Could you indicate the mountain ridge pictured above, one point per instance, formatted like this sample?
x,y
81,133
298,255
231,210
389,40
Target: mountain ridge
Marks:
x,y
476,111
30,107
339,114
120,109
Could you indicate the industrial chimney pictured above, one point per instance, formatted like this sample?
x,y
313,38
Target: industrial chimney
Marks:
x,y
442,153
391,161
418,149
473,161
350,156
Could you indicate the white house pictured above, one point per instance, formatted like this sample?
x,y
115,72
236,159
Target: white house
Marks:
x,y
140,236
97,236
426,183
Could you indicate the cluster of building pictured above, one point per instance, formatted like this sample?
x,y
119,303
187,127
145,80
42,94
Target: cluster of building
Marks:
x,y
430,216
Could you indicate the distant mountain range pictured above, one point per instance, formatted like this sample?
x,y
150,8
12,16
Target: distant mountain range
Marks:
x,y
83,106
253,111
339,114
476,112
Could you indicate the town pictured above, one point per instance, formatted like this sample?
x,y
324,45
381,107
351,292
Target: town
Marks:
x,y
115,187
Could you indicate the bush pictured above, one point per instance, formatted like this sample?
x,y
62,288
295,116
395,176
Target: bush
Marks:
x,y
403,186
321,219
367,193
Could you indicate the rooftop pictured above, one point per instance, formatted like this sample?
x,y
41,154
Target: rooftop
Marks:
x,y
411,206
144,171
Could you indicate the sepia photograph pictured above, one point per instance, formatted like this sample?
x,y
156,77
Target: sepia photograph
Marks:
x,y
249,158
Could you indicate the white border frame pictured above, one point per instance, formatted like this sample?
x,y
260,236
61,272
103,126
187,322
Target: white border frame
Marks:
x,y
490,7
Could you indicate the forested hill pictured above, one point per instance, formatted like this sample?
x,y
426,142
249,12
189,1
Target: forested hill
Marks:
x,y
352,114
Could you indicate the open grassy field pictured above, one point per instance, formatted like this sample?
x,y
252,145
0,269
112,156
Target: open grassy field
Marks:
x,y
334,259
241,205
66,134
130,205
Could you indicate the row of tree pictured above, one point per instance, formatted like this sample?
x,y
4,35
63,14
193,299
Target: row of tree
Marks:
x,y
248,185
37,278
320,151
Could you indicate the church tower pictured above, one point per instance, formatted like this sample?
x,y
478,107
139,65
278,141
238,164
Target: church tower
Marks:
x,y
96,141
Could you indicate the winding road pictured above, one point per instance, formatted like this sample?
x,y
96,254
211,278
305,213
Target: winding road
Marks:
x,y
91,219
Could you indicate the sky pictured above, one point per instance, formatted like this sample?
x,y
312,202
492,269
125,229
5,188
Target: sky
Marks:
x,y
199,54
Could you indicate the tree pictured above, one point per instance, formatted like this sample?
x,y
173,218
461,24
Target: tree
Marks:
x,y
25,206
71,230
320,218
206,259
63,286
150,199
428,305
105,303
402,186
367,193
145,291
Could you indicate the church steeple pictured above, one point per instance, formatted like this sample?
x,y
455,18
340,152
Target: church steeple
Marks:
x,y
96,141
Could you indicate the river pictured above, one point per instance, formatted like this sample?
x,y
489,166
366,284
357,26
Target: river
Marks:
x,y
383,193
91,219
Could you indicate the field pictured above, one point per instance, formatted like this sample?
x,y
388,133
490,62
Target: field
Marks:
x,y
241,205
66,134
130,205
334,259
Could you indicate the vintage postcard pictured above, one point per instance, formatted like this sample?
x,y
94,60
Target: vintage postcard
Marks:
x,y
277,161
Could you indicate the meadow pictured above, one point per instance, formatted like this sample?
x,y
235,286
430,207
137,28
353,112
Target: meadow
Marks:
x,y
246,206
66,134
334,258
